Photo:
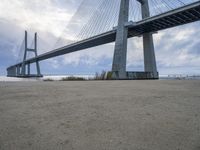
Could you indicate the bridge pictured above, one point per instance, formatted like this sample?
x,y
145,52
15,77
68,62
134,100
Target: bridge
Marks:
x,y
125,29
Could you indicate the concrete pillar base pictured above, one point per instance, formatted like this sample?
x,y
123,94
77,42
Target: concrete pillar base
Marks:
x,y
133,76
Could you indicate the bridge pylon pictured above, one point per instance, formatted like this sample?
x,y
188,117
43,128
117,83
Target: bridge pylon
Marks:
x,y
120,51
26,70
148,45
23,70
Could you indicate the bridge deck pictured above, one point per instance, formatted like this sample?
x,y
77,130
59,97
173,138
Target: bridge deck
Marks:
x,y
186,14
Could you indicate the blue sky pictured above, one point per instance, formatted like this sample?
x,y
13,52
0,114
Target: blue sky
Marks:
x,y
177,49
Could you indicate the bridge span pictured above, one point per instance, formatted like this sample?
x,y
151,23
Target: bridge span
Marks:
x,y
180,16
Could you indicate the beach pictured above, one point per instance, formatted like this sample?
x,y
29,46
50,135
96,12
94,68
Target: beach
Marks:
x,y
100,115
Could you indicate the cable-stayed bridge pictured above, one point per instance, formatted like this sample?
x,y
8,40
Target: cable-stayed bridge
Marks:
x,y
154,15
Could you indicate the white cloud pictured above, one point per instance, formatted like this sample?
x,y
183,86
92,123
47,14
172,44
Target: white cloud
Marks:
x,y
135,52
35,15
175,47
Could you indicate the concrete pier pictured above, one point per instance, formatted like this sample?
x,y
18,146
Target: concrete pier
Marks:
x,y
24,70
120,51
148,45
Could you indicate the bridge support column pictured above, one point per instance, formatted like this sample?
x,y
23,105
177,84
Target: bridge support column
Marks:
x,y
29,69
120,52
18,70
24,72
148,45
37,62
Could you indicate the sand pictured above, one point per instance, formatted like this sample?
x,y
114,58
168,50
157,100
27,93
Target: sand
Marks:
x,y
100,115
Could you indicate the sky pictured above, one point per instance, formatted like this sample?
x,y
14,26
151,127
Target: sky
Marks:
x,y
177,49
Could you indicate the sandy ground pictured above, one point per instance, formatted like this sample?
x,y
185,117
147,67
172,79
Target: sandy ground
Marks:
x,y
98,115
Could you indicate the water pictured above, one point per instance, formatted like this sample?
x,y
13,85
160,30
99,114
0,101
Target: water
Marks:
x,y
11,79
59,77
179,77
48,77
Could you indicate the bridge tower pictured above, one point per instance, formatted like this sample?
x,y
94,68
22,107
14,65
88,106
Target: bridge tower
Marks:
x,y
25,68
148,45
120,51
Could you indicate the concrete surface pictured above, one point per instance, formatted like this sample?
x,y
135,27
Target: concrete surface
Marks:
x,y
100,115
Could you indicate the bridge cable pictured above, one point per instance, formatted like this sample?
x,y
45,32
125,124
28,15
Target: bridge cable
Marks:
x,y
99,20
21,50
76,17
84,31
